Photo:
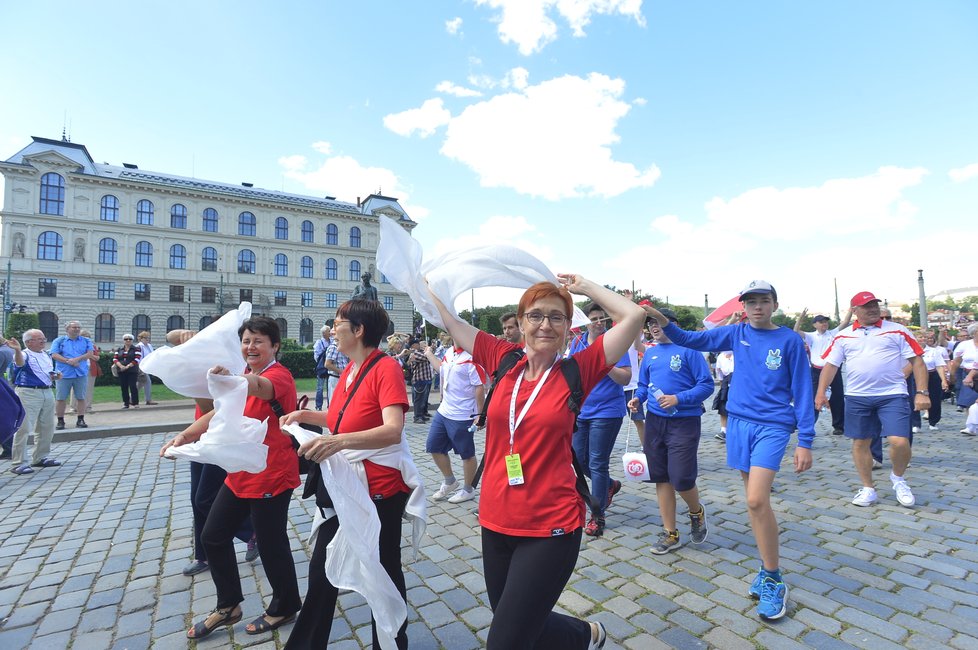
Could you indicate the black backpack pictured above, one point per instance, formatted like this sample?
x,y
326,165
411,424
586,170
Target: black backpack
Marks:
x,y
572,375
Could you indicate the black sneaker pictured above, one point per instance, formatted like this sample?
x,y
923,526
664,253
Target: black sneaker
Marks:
x,y
667,542
81,424
722,436
195,567
697,526
60,425
837,432
613,489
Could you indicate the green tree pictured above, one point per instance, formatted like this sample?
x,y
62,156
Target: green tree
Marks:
x,y
18,323
915,312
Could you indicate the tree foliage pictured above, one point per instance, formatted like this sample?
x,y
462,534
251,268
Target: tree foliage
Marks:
x,y
18,323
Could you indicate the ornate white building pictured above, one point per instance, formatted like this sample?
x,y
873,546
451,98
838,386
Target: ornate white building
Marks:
x,y
125,250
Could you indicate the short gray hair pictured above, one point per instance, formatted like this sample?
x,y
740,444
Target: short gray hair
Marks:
x,y
324,330
31,333
972,329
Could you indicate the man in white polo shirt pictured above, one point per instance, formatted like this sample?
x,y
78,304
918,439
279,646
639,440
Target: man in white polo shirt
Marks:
x,y
818,342
875,352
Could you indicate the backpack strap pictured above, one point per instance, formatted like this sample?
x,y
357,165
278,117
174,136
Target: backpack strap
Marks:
x,y
572,375
507,363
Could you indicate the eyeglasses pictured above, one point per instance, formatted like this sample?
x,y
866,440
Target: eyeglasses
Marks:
x,y
338,321
536,318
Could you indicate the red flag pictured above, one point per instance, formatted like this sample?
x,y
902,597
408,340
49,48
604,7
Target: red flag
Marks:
x,y
720,315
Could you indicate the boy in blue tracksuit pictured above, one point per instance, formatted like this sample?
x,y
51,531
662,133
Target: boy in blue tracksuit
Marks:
x,y
672,430
770,396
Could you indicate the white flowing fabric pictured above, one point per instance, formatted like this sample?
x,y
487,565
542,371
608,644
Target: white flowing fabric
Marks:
x,y
400,259
232,441
183,368
353,555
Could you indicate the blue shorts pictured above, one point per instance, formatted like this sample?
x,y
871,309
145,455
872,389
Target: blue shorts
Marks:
x,y
639,415
754,445
77,384
670,450
450,435
867,417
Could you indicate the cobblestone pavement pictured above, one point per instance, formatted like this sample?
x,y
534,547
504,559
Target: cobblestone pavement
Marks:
x,y
91,554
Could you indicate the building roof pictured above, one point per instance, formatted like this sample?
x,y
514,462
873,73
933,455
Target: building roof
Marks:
x,y
79,154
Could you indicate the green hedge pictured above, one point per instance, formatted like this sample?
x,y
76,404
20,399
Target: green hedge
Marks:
x,y
299,362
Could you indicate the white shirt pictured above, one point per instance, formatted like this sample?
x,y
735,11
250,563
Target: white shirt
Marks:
x,y
40,363
934,357
633,359
725,364
818,344
965,350
875,356
460,376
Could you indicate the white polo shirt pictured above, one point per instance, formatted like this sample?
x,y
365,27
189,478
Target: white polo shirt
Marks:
x,y
818,344
875,356
460,376
934,357
965,350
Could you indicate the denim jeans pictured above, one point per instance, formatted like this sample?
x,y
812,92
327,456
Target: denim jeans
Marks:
x,y
420,392
593,443
320,382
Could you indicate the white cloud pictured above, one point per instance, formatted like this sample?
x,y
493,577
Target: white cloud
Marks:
x,y
517,78
293,163
964,173
552,140
323,147
640,101
449,88
528,24
453,26
425,120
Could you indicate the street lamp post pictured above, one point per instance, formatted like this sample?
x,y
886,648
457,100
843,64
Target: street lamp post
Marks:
x,y
189,325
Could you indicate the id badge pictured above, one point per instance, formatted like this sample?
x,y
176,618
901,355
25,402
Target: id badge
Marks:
x,y
514,470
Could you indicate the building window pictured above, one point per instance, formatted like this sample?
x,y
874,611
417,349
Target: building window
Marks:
x,y
144,213
307,232
244,295
283,327
247,224
110,208
47,288
204,322
52,194
209,223
306,267
281,228
108,251
144,254
331,269
141,323
388,303
281,299
208,259
178,256
307,298
174,323
246,261
331,300
305,331
50,246
178,216
48,323
105,328
106,290
354,237
281,264
141,291
332,235
355,271
208,295
176,293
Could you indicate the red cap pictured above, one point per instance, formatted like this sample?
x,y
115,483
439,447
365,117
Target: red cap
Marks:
x,y
862,298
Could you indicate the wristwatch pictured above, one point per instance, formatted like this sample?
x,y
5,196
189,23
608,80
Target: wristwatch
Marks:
x,y
922,392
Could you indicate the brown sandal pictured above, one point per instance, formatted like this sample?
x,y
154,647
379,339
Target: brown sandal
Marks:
x,y
228,616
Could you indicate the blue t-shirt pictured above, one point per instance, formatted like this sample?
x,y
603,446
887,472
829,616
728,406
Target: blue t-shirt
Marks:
x,y
607,399
676,371
70,349
772,386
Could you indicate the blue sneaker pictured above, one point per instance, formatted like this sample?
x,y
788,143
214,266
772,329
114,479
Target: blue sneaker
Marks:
x,y
754,591
774,599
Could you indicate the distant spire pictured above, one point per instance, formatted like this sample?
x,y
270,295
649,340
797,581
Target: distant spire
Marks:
x,y
64,127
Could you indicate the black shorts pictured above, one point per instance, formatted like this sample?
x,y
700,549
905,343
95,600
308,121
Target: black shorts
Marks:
x,y
671,445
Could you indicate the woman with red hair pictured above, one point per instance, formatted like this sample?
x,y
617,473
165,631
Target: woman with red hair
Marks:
x,y
531,515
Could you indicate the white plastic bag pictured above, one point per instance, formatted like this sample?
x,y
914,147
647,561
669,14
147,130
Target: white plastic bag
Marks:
x,y
634,463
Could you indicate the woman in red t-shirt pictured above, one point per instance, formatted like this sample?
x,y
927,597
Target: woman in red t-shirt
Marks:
x,y
531,515
265,496
372,419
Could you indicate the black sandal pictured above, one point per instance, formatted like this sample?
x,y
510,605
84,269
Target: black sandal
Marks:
x,y
261,624
228,617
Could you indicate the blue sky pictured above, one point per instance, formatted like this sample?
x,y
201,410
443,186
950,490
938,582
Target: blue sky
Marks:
x,y
683,147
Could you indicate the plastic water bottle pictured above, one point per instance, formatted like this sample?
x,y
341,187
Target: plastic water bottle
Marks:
x,y
828,396
656,393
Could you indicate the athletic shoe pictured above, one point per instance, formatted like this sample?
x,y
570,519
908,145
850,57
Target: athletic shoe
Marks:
x,y
81,424
877,464
697,526
598,636
903,494
968,432
865,497
445,490
252,553
60,425
774,599
754,591
915,429
613,489
837,432
462,495
595,527
195,567
931,427
667,542
722,436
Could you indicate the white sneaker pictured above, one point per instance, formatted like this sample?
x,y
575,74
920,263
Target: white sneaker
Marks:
x,y
931,427
444,491
462,495
865,497
903,494
915,429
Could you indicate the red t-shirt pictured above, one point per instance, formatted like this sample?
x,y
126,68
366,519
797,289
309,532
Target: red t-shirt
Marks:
x,y
282,469
547,504
383,386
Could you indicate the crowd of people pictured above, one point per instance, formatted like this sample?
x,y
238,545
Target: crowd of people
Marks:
x,y
549,402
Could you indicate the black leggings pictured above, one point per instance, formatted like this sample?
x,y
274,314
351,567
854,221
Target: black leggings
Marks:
x,y
270,519
524,578
312,628
205,481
